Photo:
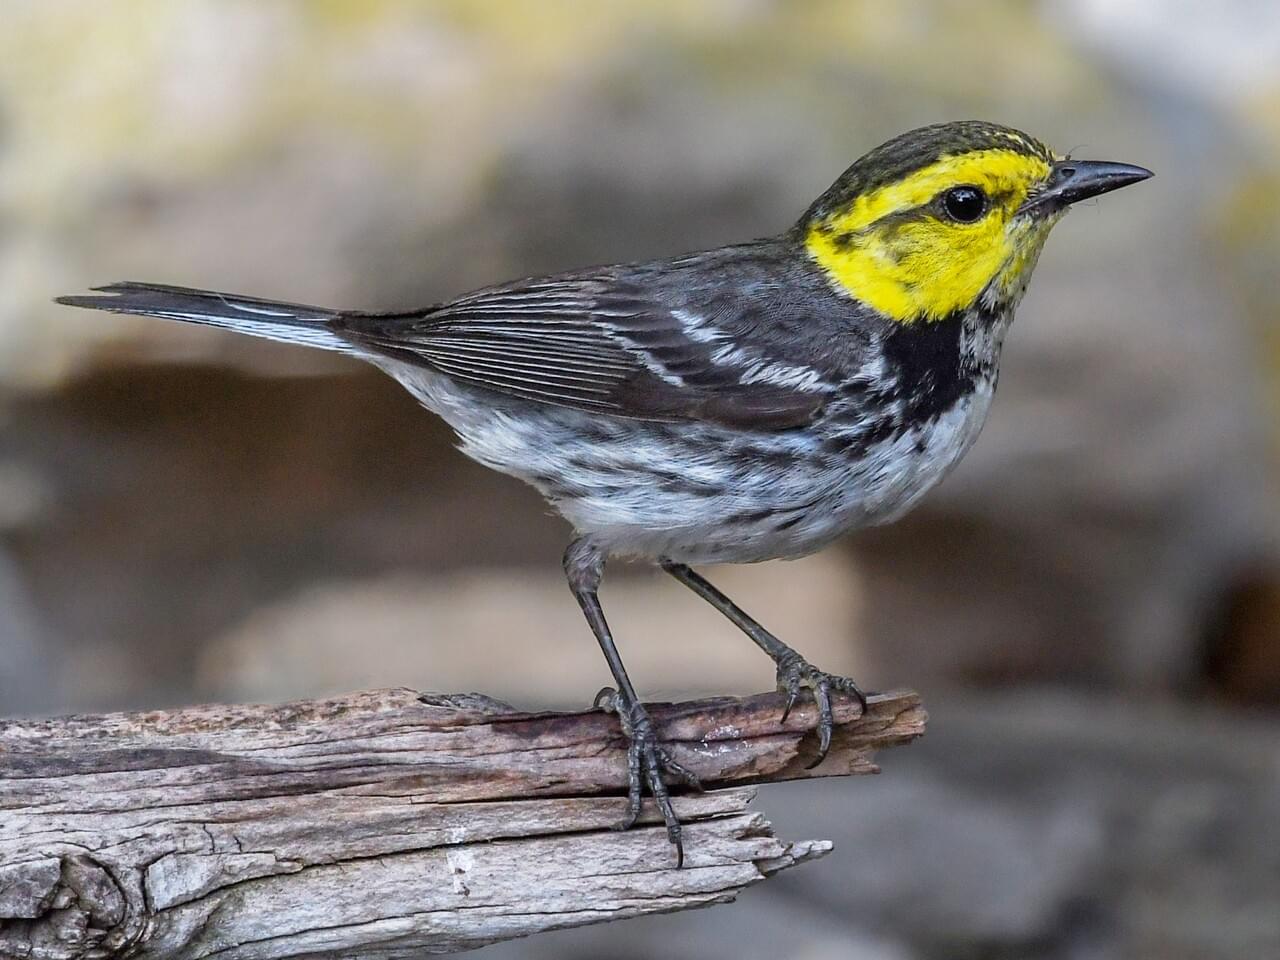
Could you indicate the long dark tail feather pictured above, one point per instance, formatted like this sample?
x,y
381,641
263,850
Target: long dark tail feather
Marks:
x,y
273,319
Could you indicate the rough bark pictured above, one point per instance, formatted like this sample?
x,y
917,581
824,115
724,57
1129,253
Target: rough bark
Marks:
x,y
382,824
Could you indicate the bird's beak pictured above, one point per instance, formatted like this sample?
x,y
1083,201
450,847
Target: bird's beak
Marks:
x,y
1072,180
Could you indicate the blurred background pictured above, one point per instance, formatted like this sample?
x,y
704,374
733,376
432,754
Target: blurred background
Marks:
x,y
1090,604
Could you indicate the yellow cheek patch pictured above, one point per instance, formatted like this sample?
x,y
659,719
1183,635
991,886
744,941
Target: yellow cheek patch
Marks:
x,y
925,267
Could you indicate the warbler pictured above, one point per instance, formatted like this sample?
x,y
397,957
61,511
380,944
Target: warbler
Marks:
x,y
746,403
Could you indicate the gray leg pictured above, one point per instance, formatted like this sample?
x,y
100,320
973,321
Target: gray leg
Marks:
x,y
794,671
646,759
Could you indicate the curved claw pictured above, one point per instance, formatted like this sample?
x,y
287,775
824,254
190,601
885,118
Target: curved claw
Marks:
x,y
846,685
793,694
795,672
653,773
826,720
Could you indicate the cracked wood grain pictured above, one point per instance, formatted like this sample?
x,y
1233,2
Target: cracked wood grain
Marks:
x,y
383,823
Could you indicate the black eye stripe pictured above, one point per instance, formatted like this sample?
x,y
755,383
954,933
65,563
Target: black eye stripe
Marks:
x,y
964,204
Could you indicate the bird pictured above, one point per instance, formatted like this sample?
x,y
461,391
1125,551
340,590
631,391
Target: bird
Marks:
x,y
740,404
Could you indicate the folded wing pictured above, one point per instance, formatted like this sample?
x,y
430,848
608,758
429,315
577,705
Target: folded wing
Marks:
x,y
600,344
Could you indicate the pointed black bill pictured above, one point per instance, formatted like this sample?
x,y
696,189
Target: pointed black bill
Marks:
x,y
1074,180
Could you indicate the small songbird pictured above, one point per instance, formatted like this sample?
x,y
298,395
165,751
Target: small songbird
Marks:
x,y
746,403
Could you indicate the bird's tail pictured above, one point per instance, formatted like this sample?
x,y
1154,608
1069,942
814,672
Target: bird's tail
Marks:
x,y
288,322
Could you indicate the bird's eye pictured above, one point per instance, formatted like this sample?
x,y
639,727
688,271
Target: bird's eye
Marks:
x,y
964,204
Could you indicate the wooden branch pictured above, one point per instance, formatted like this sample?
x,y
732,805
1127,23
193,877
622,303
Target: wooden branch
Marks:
x,y
382,824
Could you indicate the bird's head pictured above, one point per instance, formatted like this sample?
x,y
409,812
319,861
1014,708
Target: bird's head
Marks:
x,y
945,217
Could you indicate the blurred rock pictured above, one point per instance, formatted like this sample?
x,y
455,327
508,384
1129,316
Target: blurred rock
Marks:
x,y
1242,652
180,499
28,657
519,635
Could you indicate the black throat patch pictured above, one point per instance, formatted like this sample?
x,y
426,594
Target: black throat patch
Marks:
x,y
929,368
932,366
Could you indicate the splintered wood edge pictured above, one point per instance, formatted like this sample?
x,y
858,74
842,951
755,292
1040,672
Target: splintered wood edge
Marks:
x,y
187,882
385,821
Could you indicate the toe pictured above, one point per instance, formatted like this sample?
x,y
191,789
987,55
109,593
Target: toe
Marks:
x,y
663,799
846,685
606,700
679,770
635,786
647,762
826,720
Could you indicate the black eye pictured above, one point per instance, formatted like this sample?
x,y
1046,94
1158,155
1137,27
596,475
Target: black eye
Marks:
x,y
965,204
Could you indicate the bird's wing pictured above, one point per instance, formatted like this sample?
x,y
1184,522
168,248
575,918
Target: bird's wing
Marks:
x,y
602,344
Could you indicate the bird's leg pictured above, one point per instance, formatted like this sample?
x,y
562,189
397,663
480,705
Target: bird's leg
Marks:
x,y
794,671
647,760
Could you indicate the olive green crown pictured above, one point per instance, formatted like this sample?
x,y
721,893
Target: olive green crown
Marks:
x,y
915,150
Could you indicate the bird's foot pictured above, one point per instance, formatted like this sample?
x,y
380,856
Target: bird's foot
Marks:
x,y
794,673
647,762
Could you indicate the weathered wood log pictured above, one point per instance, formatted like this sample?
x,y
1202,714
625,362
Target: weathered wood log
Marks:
x,y
382,824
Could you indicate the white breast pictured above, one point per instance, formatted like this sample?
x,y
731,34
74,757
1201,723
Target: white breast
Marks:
x,y
684,491
899,472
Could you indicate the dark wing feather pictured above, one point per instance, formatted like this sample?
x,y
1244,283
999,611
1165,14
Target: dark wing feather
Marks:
x,y
593,342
